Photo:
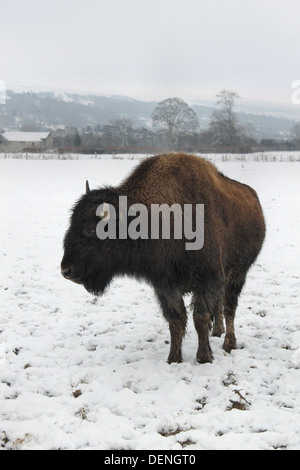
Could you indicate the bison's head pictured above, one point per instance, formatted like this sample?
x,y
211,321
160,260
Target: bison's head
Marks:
x,y
87,259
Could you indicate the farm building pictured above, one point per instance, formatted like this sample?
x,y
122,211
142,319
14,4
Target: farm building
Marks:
x,y
25,141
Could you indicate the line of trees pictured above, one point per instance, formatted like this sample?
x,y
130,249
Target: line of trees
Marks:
x,y
175,126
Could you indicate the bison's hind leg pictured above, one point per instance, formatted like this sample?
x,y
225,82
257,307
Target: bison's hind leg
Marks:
x,y
232,292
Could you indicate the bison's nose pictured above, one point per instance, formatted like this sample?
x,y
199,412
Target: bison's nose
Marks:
x,y
67,272
70,273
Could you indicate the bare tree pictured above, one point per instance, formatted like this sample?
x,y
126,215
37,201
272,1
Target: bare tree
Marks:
x,y
295,131
173,117
123,128
224,127
295,135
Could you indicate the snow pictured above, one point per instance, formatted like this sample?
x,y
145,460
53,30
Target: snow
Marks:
x,y
78,372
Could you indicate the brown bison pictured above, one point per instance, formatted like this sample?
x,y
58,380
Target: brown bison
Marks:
x,y
213,271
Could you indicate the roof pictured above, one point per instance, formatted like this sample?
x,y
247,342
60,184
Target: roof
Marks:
x,y
25,136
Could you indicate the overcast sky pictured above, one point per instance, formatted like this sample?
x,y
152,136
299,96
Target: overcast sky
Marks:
x,y
153,49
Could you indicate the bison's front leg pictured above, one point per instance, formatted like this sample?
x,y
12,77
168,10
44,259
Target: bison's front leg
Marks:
x,y
175,313
177,331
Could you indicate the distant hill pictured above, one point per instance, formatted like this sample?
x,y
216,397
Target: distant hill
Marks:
x,y
45,110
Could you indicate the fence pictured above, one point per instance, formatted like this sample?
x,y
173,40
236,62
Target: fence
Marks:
x,y
213,157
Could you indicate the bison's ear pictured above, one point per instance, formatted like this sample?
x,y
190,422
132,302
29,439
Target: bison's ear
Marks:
x,y
87,187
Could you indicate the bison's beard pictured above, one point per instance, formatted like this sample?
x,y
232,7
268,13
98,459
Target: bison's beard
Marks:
x,y
96,284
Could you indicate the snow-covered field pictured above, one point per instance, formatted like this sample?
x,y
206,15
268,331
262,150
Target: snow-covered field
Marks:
x,y
78,372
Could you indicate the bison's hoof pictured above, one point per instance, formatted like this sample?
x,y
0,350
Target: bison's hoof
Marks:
x,y
229,344
174,358
203,357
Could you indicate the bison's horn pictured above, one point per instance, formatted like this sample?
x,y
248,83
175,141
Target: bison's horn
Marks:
x,y
87,187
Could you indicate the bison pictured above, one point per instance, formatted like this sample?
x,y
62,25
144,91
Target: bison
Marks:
x,y
234,231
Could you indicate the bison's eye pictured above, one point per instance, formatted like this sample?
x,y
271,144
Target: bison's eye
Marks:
x,y
89,231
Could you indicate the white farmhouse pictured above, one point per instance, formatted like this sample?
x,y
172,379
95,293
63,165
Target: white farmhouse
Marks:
x,y
25,141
